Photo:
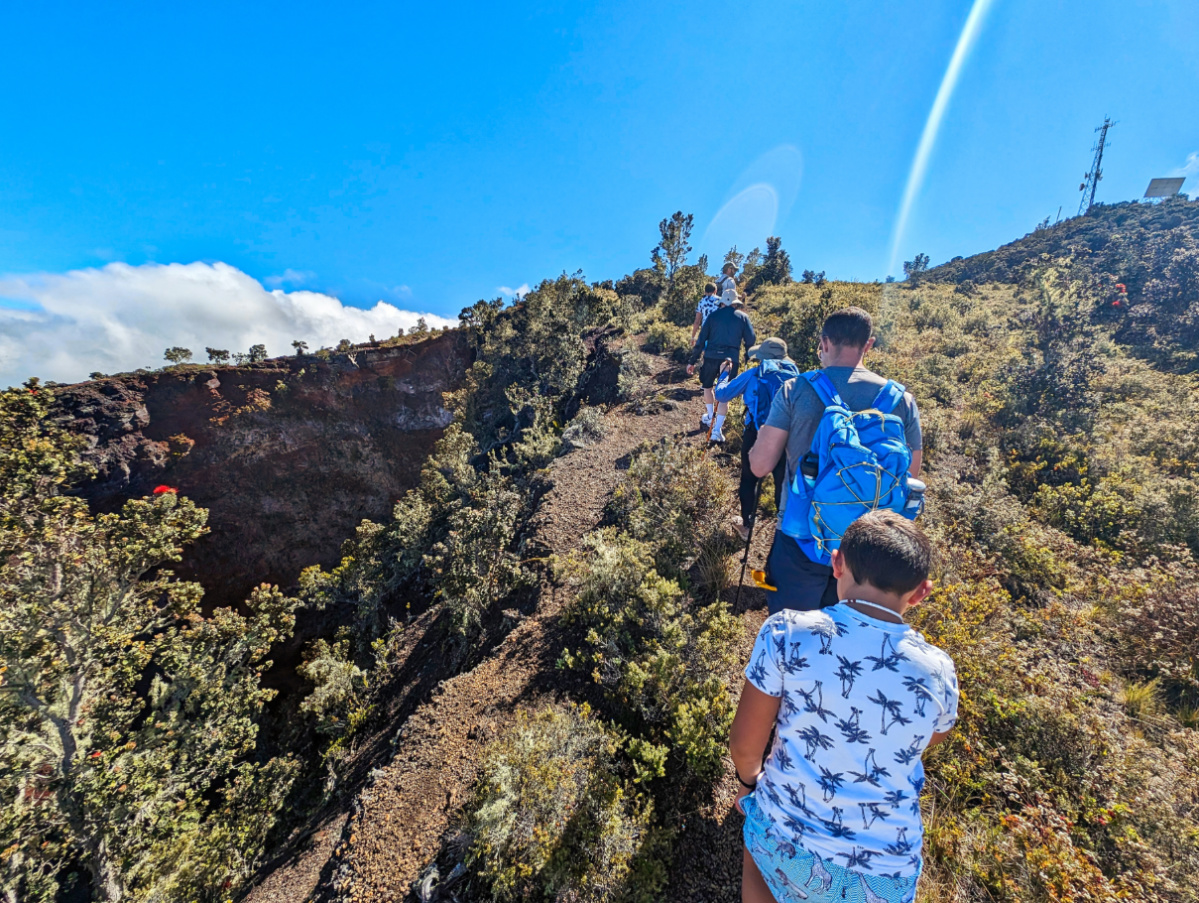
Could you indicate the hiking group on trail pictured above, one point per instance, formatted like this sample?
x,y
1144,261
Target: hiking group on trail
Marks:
x,y
844,692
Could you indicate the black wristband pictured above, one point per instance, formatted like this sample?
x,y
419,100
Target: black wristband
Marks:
x,y
741,781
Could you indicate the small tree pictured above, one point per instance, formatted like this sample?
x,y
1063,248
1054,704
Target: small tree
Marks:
x,y
672,250
776,268
749,269
421,327
178,354
218,355
915,269
127,720
257,353
301,347
344,345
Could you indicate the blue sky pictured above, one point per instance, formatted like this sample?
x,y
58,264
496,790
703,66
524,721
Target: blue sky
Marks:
x,y
427,154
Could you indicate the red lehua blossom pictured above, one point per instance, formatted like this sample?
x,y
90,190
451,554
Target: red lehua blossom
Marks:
x,y
1115,304
159,490
97,754
1120,286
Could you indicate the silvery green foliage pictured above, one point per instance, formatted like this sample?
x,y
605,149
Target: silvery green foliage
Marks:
x,y
126,718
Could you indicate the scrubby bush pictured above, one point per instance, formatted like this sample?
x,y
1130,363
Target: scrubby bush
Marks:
x,y
1155,630
677,500
663,664
127,719
634,368
666,338
587,428
552,819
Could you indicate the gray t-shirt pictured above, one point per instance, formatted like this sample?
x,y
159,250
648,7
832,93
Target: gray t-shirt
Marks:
x,y
797,409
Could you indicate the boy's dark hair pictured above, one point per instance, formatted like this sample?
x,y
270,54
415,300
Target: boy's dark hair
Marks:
x,y
851,326
887,551
710,288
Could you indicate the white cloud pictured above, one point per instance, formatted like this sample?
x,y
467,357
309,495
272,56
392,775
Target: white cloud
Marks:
x,y
1191,167
514,292
63,326
289,277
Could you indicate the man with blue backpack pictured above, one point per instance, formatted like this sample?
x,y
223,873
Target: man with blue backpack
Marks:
x,y
758,385
852,443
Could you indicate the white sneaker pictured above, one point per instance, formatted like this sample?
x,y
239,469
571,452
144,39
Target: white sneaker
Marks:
x,y
706,419
742,530
717,436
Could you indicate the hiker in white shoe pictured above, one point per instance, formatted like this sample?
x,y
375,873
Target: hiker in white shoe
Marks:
x,y
758,386
720,339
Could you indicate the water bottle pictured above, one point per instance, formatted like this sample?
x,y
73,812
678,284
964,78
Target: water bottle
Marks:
x,y
809,467
915,502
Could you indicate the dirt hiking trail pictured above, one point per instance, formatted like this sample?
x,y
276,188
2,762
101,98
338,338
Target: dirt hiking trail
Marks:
x,y
382,847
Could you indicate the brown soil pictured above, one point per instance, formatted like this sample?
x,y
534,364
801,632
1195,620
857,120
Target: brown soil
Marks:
x,y
399,822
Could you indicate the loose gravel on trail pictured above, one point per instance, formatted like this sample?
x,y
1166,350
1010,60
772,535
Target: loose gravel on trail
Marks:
x,y
399,821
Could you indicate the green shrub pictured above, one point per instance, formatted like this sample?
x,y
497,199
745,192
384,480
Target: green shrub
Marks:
x,y
128,720
676,499
663,337
551,818
663,666
476,564
634,367
586,429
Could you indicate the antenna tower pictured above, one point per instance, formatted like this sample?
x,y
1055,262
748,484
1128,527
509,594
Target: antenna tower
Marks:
x,y
1092,178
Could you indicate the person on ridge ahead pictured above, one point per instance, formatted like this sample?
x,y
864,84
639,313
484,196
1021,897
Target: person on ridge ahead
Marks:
x,y
795,415
758,385
720,339
706,306
855,696
727,281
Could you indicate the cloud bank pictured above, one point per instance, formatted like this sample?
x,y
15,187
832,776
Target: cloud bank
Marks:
x,y
64,326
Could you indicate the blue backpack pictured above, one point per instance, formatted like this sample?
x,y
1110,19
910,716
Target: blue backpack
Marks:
x,y
771,376
858,462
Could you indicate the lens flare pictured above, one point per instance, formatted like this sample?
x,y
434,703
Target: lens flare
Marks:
x,y
932,126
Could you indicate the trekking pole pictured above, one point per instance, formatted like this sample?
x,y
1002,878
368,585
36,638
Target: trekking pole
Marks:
x,y
753,520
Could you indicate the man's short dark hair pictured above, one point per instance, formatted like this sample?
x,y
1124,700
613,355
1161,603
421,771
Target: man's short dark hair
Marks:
x,y
851,326
710,288
887,551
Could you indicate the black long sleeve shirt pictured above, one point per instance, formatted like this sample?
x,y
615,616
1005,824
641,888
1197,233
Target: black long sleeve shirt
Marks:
x,y
722,335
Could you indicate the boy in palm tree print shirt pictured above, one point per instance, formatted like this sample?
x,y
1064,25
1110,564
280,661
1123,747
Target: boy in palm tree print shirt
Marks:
x,y
856,696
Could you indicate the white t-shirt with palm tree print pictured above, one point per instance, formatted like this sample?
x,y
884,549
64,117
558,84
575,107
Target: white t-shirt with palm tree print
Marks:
x,y
860,698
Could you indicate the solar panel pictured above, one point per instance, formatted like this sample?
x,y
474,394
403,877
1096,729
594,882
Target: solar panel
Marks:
x,y
1164,188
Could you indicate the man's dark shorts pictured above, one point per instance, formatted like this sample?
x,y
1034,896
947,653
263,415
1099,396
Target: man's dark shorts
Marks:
x,y
710,370
803,585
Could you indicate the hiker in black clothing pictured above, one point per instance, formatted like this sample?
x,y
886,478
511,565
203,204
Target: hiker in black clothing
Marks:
x,y
721,338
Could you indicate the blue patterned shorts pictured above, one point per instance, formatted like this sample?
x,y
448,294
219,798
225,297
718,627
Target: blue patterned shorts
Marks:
x,y
793,874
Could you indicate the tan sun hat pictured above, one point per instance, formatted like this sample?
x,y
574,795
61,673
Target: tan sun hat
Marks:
x,y
771,349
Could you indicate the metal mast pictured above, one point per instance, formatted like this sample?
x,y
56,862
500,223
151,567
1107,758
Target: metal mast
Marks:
x,y
1092,178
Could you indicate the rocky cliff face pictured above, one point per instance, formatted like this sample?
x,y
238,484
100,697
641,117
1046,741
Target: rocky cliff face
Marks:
x,y
288,455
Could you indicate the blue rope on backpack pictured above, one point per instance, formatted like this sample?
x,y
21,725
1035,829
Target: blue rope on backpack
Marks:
x,y
858,462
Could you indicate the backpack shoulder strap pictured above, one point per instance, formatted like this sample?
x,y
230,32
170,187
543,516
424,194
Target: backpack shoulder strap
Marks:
x,y
824,388
889,397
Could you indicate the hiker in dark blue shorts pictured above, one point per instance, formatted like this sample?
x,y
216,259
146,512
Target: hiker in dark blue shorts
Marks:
x,y
801,583
720,339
